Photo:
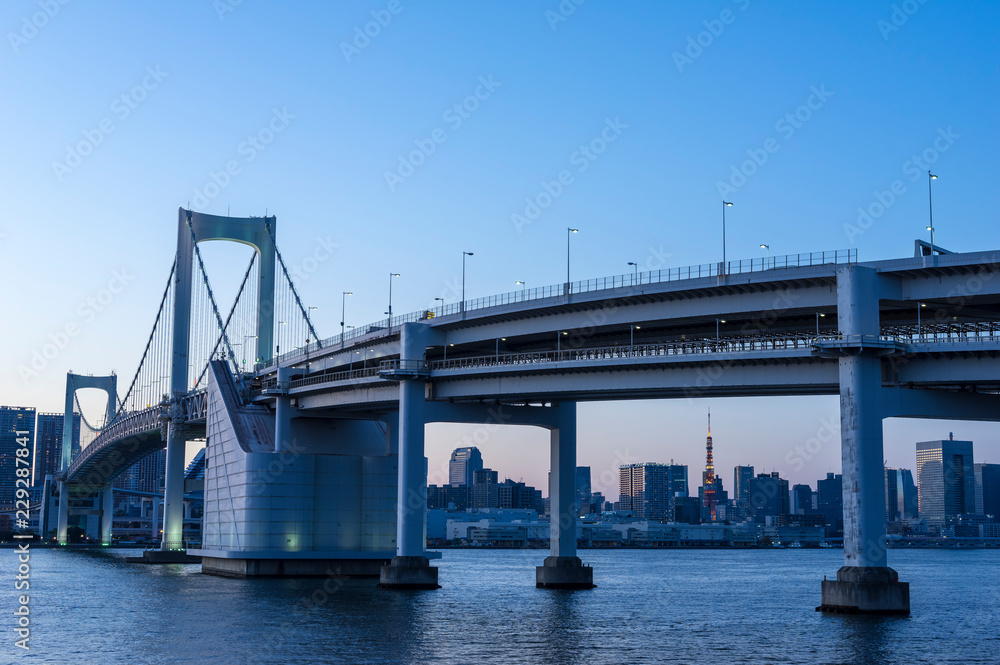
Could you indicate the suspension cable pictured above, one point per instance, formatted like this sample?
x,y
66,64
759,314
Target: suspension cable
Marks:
x,y
295,293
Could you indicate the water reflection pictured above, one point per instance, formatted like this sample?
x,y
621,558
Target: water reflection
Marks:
x,y
866,640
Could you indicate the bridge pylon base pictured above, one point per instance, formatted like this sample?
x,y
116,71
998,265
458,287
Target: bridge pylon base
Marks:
x,y
564,572
409,572
866,590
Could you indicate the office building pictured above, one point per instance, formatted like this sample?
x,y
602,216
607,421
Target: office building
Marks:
x,y
741,491
48,444
517,496
583,490
17,427
988,490
463,465
146,475
449,497
768,496
802,500
900,495
830,502
484,489
648,489
946,480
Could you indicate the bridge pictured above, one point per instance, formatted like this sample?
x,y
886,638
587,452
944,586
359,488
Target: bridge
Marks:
x,y
315,456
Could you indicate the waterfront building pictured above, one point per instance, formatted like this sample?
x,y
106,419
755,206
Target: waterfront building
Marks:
x,y
988,490
801,500
48,444
741,491
463,465
484,489
830,502
945,480
648,489
768,496
900,496
17,426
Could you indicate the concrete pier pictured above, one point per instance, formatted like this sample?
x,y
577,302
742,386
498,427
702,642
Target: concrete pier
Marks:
x,y
864,584
563,568
410,568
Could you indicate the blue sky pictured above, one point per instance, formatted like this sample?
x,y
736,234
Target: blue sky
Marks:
x,y
834,101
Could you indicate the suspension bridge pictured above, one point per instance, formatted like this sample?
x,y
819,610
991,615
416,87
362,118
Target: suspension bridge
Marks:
x,y
314,454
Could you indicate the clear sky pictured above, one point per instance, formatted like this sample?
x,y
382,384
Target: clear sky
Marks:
x,y
114,114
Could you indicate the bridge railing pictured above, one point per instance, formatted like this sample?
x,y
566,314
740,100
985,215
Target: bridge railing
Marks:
x,y
723,345
638,278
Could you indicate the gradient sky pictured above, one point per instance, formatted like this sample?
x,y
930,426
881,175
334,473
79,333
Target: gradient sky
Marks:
x,y
200,78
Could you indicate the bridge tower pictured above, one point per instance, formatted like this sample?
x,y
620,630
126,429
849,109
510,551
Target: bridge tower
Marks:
x,y
74,382
192,228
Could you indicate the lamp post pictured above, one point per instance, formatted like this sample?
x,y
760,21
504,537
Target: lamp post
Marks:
x,y
631,335
818,315
464,254
559,336
717,322
767,254
725,204
569,232
277,348
524,286
245,347
635,271
930,208
391,275
919,305
343,312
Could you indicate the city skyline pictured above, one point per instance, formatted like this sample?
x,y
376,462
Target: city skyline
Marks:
x,y
650,198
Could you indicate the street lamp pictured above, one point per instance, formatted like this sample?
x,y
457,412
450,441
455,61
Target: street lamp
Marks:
x,y
569,232
464,254
930,208
631,335
818,316
245,347
559,336
277,348
717,322
767,255
524,286
343,311
635,271
391,275
725,204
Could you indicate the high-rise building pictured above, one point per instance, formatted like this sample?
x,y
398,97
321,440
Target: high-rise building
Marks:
x,y
484,489
741,491
48,444
801,500
464,463
830,501
768,496
648,489
988,490
583,490
946,480
900,495
520,496
17,425
146,475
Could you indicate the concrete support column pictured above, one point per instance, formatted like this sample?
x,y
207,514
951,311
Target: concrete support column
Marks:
x,y
283,412
107,513
410,568
187,510
154,513
173,509
865,584
62,531
562,568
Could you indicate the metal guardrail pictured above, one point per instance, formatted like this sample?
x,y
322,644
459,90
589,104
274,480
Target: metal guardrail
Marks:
x,y
572,288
